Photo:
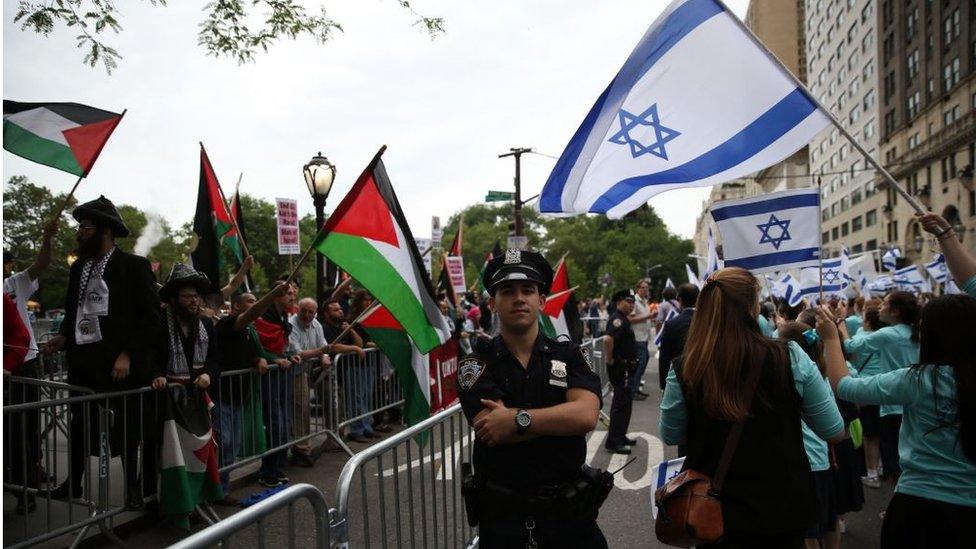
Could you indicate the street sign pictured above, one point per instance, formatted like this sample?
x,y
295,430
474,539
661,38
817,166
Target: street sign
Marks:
x,y
499,196
518,242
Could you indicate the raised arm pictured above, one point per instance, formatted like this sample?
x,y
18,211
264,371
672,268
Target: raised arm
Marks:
x,y
260,307
43,258
238,279
961,264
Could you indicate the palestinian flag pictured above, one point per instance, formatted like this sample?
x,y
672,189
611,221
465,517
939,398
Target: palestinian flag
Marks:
x,y
213,226
455,249
495,252
444,284
188,472
368,237
560,315
411,366
66,136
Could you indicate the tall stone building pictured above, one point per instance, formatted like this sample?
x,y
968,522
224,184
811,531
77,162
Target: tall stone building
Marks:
x,y
927,83
842,65
781,25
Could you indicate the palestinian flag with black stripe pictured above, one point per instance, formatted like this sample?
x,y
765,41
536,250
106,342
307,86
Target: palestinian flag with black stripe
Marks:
x,y
368,237
189,471
560,316
496,251
213,226
66,136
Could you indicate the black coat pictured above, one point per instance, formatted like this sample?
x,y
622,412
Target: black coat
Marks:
x,y
131,325
673,340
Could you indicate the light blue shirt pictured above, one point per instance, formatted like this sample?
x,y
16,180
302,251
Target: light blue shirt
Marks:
x,y
853,323
867,363
766,326
895,350
929,450
818,408
970,286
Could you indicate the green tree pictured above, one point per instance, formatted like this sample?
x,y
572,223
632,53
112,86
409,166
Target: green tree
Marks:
x,y
230,28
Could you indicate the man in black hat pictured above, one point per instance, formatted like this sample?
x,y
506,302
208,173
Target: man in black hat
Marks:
x,y
620,348
531,401
185,349
109,329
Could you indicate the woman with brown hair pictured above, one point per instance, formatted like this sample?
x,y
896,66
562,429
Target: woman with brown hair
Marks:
x,y
768,495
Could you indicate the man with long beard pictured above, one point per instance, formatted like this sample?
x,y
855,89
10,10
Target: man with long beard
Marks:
x,y
110,324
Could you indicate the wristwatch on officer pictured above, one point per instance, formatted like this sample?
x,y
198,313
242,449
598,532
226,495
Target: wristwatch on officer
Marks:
x,y
522,421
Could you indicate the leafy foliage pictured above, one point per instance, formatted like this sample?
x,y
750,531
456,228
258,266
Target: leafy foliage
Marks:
x,y
231,28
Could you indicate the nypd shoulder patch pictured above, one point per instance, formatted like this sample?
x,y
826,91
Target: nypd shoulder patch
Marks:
x,y
469,371
617,322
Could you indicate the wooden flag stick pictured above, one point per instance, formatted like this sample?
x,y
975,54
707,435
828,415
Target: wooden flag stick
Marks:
x,y
373,305
240,235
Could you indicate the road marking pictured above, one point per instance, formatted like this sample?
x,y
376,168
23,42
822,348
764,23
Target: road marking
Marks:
x,y
655,454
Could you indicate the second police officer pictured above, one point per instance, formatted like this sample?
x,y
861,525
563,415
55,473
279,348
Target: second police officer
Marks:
x,y
531,401
620,348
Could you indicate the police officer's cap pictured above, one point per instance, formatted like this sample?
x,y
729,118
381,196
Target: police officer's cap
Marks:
x,y
627,294
517,264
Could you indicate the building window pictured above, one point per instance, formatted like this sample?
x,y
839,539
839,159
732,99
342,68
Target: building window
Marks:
x,y
912,64
869,129
950,27
856,197
856,224
825,237
871,245
857,248
845,229
852,61
913,141
889,122
950,74
853,115
887,48
845,203
871,218
929,89
911,24
834,233
843,151
950,116
868,12
867,43
889,86
868,101
870,188
833,210
914,104
868,70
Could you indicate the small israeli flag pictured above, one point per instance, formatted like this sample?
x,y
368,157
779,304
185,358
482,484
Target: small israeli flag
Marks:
x,y
660,333
662,473
788,288
890,259
669,284
770,232
834,281
712,262
937,269
910,279
698,102
692,278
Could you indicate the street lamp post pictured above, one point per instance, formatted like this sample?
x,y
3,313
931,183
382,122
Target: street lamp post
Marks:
x,y
319,175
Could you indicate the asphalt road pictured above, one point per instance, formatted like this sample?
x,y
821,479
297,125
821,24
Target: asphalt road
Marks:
x,y
427,511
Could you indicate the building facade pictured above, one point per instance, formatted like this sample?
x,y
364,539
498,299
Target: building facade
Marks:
x,y
842,65
927,79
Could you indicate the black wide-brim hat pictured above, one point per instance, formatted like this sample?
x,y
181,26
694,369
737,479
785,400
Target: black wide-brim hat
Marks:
x,y
102,208
517,264
182,276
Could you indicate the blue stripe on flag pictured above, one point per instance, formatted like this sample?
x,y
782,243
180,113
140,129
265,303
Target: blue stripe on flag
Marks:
x,y
682,21
775,258
751,140
662,473
766,206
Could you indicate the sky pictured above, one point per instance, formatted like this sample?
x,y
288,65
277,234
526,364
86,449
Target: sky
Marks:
x,y
506,73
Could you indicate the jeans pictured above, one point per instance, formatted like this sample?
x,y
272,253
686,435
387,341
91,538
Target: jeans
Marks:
x,y
360,379
276,390
643,355
229,418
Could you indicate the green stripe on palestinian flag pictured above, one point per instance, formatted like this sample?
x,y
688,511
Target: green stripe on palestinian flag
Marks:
x,y
410,364
213,225
66,136
188,474
368,237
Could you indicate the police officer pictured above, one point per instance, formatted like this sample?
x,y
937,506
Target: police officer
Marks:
x,y
620,348
531,401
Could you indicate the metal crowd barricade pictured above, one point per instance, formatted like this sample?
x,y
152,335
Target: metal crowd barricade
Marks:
x,y
405,491
80,424
366,387
254,515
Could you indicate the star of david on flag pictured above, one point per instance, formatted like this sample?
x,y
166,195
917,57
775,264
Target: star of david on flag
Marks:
x,y
937,269
835,277
635,123
770,232
697,103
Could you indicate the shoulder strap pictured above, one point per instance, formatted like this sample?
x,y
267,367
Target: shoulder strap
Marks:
x,y
733,438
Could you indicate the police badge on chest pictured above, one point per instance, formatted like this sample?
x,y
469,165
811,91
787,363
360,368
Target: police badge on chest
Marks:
x,y
557,373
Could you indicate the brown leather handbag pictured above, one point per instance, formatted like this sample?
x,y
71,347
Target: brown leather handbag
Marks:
x,y
689,511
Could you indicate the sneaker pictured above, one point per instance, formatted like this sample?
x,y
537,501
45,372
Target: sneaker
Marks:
x,y
871,482
640,396
630,441
283,478
269,482
622,449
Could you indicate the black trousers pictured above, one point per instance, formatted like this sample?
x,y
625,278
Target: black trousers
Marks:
x,y
621,406
21,434
890,427
913,522
511,533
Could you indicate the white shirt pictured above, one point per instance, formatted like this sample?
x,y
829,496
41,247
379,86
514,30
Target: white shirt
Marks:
x,y
307,337
20,287
642,329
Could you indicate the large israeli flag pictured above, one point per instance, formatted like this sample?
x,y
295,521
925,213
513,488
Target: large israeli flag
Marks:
x,y
770,232
698,102
910,279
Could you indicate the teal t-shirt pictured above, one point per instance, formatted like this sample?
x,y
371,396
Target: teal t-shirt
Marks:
x,y
970,286
818,407
854,324
895,350
766,326
816,447
930,453
867,363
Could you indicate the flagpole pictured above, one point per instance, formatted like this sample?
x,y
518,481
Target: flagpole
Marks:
x,y
237,193
833,119
373,305
821,254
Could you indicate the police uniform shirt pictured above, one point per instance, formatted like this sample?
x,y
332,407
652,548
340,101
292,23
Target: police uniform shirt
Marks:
x,y
624,342
495,374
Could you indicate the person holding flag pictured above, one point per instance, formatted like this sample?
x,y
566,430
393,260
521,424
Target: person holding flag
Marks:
x,y
961,264
640,319
531,400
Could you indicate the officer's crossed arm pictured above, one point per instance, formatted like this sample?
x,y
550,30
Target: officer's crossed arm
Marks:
x,y
495,424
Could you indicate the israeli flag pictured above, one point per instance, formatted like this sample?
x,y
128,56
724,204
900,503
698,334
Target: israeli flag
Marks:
x,y
712,262
770,232
937,269
890,259
788,288
910,279
669,284
835,278
862,280
662,473
660,333
881,285
691,276
698,102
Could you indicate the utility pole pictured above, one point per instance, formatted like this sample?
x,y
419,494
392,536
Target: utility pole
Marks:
x,y
517,152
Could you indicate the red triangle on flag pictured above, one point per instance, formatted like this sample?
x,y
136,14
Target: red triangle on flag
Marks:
x,y
556,302
560,281
381,318
86,141
364,213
